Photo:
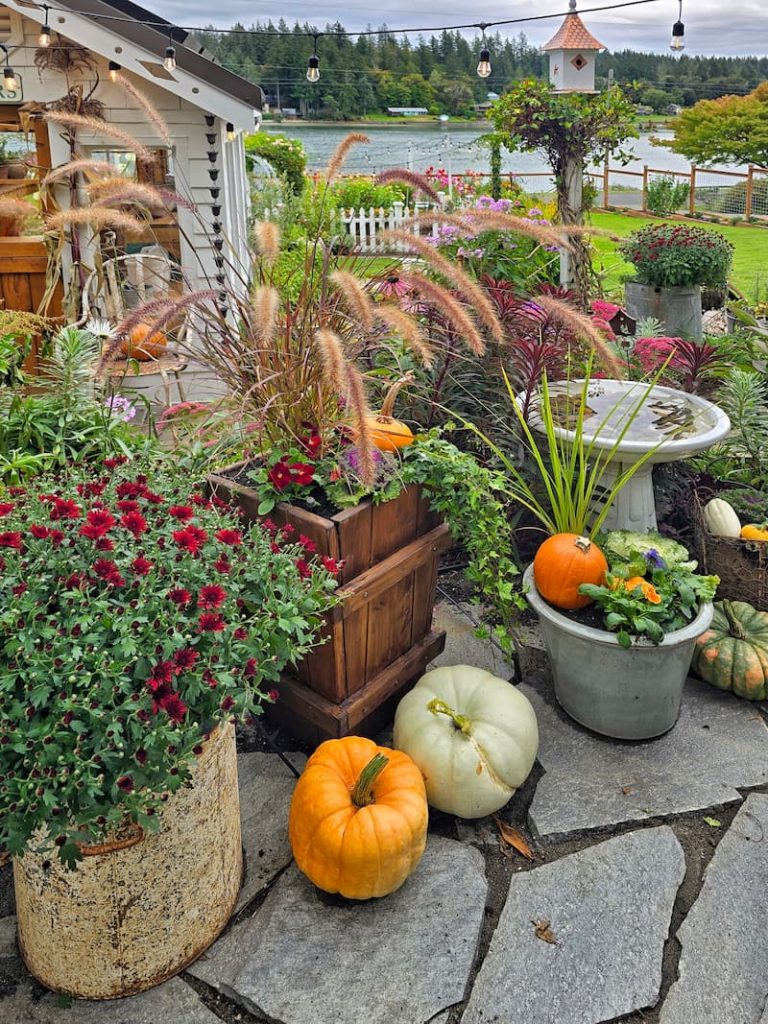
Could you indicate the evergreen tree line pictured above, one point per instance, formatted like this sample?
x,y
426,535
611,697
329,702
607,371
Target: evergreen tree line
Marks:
x,y
365,75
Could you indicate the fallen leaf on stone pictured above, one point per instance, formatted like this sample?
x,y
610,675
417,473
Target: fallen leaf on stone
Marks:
x,y
544,932
626,790
713,822
510,837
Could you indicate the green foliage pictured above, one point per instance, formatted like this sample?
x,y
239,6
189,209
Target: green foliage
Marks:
x,y
731,129
286,156
352,193
103,712
666,195
678,255
743,456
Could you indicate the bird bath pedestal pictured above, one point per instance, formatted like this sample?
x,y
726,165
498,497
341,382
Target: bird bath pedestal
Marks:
x,y
678,423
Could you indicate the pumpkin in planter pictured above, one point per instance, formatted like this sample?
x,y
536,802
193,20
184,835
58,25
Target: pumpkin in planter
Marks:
x,y
358,818
733,653
387,433
473,736
143,344
562,564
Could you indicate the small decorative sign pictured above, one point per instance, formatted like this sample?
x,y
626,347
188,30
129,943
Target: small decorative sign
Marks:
x,y
11,95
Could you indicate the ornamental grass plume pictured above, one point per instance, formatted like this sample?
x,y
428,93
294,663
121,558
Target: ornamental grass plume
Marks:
x,y
98,126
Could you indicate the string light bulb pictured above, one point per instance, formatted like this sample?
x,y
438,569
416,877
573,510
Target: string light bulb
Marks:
x,y
169,60
484,64
231,133
44,39
678,32
114,70
10,84
313,67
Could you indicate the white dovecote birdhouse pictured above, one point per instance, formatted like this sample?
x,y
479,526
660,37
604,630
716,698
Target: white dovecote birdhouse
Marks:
x,y
572,52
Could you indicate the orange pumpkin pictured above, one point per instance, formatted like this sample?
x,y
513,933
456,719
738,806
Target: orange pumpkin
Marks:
x,y
386,433
562,564
141,344
754,532
358,818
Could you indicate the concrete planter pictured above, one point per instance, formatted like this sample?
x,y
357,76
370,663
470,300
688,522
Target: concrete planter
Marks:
x,y
629,694
679,309
138,909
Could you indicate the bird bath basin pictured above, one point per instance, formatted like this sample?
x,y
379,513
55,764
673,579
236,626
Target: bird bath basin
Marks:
x,y
676,424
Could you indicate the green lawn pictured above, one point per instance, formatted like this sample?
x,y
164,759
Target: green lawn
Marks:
x,y
750,260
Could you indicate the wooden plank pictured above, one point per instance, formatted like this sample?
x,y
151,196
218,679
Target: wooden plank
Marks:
x,y
389,626
385,574
300,702
354,526
394,523
16,291
424,585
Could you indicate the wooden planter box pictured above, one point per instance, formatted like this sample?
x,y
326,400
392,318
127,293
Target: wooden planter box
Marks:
x,y
380,638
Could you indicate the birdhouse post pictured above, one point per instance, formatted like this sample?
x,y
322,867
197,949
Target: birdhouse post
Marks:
x,y
572,55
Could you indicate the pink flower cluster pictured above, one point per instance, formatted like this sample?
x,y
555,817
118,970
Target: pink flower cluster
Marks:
x,y
652,353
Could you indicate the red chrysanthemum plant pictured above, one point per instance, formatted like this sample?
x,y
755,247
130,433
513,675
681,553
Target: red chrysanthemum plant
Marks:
x,y
135,615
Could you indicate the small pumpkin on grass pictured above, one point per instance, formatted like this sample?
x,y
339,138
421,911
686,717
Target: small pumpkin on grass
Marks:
x,y
358,818
387,433
733,653
562,563
143,344
474,737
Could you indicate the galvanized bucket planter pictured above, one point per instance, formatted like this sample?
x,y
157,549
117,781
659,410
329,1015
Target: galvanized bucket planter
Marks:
x,y
628,694
138,910
679,309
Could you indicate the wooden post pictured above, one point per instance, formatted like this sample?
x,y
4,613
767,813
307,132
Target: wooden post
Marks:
x,y
692,195
574,178
606,182
748,192
644,202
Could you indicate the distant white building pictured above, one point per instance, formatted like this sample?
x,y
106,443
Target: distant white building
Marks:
x,y
406,111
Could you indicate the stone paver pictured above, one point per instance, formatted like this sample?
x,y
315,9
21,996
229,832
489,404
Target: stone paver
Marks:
x,y
266,786
462,647
8,936
309,958
609,909
723,970
172,1003
719,743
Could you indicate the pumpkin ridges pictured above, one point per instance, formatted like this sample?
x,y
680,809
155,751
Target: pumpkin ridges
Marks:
x,y
727,660
562,563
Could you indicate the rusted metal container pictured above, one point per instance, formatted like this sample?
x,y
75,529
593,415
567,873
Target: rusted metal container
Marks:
x,y
137,911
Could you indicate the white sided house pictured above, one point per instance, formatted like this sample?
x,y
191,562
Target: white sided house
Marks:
x,y
206,109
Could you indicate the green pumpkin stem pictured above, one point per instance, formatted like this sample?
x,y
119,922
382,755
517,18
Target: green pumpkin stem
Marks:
x,y
362,794
439,707
734,626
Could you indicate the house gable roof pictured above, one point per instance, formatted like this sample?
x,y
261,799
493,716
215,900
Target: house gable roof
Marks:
x,y
573,34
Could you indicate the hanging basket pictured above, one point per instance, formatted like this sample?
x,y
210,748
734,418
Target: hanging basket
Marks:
x,y
140,907
741,565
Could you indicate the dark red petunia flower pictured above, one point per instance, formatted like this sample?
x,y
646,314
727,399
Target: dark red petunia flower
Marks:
x,y
180,596
125,782
231,537
134,522
186,659
210,622
303,473
181,512
141,565
6,507
280,475
211,596
11,539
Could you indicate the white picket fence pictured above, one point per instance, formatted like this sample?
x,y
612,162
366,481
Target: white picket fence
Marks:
x,y
364,228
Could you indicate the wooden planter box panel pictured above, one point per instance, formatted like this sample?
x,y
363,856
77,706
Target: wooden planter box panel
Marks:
x,y
379,638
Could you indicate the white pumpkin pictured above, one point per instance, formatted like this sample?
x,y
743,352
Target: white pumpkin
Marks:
x,y
473,735
721,519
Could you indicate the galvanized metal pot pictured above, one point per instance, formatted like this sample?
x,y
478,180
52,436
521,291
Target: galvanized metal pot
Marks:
x,y
679,309
629,694
138,910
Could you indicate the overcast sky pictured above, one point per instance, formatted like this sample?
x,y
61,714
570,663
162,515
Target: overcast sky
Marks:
x,y
711,26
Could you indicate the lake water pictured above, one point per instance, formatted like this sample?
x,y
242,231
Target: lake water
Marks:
x,y
453,146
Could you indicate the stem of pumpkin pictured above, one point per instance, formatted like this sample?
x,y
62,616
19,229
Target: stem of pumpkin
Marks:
x,y
388,404
362,794
439,707
735,628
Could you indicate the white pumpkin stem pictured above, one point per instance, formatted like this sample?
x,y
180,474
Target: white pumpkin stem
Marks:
x,y
362,794
439,707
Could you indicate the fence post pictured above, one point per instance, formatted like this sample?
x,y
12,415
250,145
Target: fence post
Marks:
x,y
748,192
606,183
644,201
692,194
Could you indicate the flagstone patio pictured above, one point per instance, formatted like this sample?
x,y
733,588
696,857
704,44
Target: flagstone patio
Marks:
x,y
645,901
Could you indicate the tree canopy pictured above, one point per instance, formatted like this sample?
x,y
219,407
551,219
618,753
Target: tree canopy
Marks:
x,y
732,129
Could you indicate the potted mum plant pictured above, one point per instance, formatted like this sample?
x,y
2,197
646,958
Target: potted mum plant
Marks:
x,y
672,262
139,620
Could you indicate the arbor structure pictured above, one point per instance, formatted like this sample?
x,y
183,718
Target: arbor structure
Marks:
x,y
570,129
732,129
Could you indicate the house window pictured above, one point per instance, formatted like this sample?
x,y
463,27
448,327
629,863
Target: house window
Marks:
x,y
123,162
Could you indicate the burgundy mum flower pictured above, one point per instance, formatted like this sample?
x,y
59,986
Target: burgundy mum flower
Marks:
x,y
230,537
65,508
222,565
331,565
11,539
128,505
39,532
141,566
125,782
115,461
6,507
134,522
181,512
227,703
186,659
210,622
305,570
19,589
174,707
141,756
104,544
180,596
211,596
55,537
309,545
